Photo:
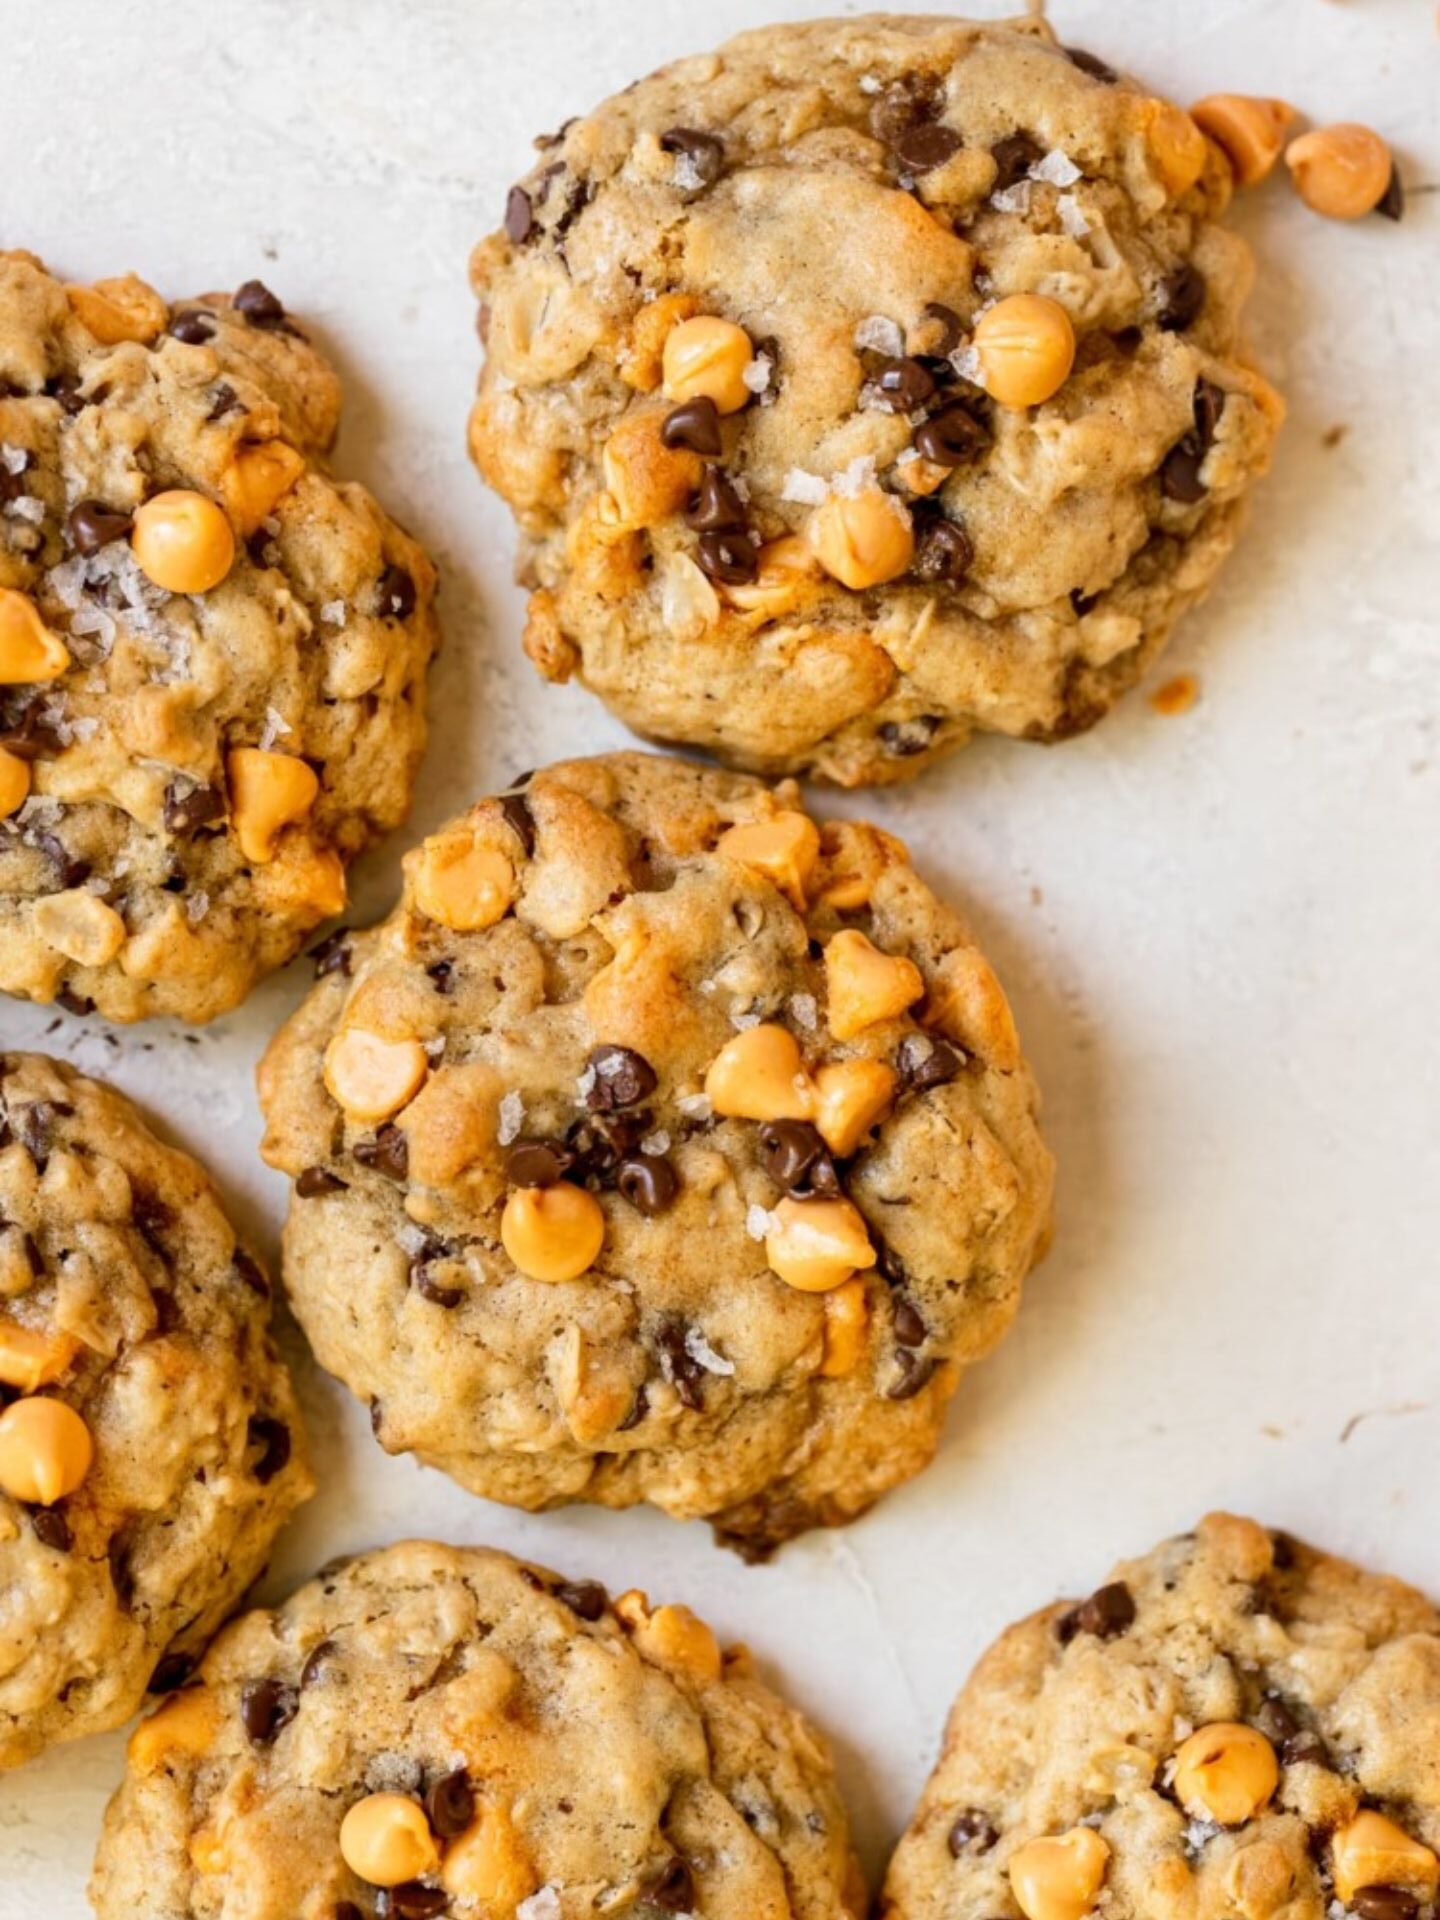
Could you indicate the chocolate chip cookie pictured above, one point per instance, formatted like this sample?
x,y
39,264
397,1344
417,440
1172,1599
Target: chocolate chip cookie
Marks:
x,y
1235,1725
434,1730
212,654
866,384
662,1145
150,1448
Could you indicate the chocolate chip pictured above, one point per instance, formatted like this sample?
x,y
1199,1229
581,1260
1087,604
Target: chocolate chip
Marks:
x,y
915,1374
1392,202
30,736
71,870
943,551
1208,407
717,507
971,1833
441,976
347,1910
1182,297
223,402
797,1159
332,954
904,383
672,1888
250,1273
35,1127
194,327
903,739
538,1163
648,1182
52,1529
520,820
951,438
431,1289
1384,1903
519,216
315,1663
273,1438
621,1078
266,1708
729,558
695,425
1090,63
258,304
922,148
387,1153
950,323
909,1323
1108,1612
172,1673
315,1182
413,1901
903,104
65,387
679,1365
639,1407
1180,472
705,152
395,594
187,811
450,1805
92,525
925,1062
1083,602
1305,1748
1282,1551
600,1142
1014,156
585,1598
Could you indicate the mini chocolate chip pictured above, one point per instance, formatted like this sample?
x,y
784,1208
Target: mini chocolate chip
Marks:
x,y
1182,298
1090,63
1384,1903
600,1142
910,1327
388,1153
622,1077
520,820
429,1288
519,216
332,955
250,1273
639,1407
946,318
648,1182
1108,1612
951,438
92,525
972,1833
919,96
1014,156
926,1062
1180,471
266,1708
1209,405
65,387
922,148
792,1151
915,1374
585,1598
1305,1748
672,1888
186,812
903,739
70,869
315,1662
258,304
905,383
729,558
695,425
1392,202
315,1182
1275,1720
30,736
679,1365
395,594
52,1529
1083,603
223,402
194,327
442,976
450,1805
538,1163
273,1438
943,551
172,1673
705,152
717,507
413,1901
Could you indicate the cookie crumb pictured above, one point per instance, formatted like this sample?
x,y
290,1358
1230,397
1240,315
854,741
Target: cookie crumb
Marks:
x,y
1176,696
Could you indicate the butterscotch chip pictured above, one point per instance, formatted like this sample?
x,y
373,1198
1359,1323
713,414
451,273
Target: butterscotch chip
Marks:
x,y
578,1174
934,305
212,652
1235,1724
150,1443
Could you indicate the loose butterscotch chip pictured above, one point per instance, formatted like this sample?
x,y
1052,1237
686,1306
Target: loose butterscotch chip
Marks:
x,y
183,542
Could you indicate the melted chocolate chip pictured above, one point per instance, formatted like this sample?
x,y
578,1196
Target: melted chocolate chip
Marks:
x,y
332,955
193,326
92,525
922,148
1014,156
413,1901
52,1529
315,1182
943,551
1090,63
30,737
904,383
672,1888
1384,1903
1108,1612
622,1077
450,1805
909,1323
258,304
797,1159
442,976
1180,470
70,869
266,1708
1392,202
694,425
717,507
519,216
729,558
679,1365
186,812
903,739
1209,405
315,1663
65,387
915,1374
172,1673
395,594
223,402
953,437
952,327
704,151
273,1438
926,1062
1182,298
538,1163
587,1599
388,1153
971,1833
602,1141
520,820
648,1182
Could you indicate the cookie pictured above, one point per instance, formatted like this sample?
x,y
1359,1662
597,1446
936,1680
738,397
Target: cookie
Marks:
x,y
150,1445
661,1146
1235,1726
212,654
867,384
438,1730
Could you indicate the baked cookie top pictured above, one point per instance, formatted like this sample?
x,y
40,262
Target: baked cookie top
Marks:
x,y
866,383
212,654
150,1446
1235,1725
662,1145
435,1730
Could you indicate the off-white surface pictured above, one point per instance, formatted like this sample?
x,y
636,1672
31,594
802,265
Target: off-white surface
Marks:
x,y
1221,932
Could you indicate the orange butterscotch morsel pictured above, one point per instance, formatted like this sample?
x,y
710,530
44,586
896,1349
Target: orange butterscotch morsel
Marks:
x,y
761,1075
31,1359
784,848
257,479
1248,129
1226,1772
268,792
1342,171
30,654
460,881
850,1096
847,1318
647,480
816,1245
1059,1876
862,539
1177,144
786,571
640,363
373,1078
865,986
45,1451
671,1637
1026,346
553,1233
386,1841
120,309
1372,1851
187,1723
182,541
488,1864
707,358
14,783
78,924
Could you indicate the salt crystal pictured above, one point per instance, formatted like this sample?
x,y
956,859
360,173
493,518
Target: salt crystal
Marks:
x,y
1056,169
966,362
13,459
757,375
275,725
880,336
1014,199
26,507
1072,217
512,1118
413,1239
695,1106
804,1011
906,458
857,477
585,1085
196,907
434,1046
701,1351
804,489
757,1222
656,1143
688,175
333,612
744,1017
544,1905
86,727
871,83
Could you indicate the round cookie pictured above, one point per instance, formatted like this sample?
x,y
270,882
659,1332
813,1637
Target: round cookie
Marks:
x,y
150,1445
480,1738
659,1147
1235,1725
777,344
212,654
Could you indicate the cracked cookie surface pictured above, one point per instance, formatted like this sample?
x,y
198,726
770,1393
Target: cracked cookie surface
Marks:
x,y
212,653
1234,1725
743,384
150,1445
661,1146
508,1741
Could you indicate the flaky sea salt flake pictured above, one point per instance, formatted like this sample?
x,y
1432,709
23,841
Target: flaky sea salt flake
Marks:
x,y
512,1118
1056,169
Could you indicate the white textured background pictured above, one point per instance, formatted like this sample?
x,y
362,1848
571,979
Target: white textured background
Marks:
x,y
1220,931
